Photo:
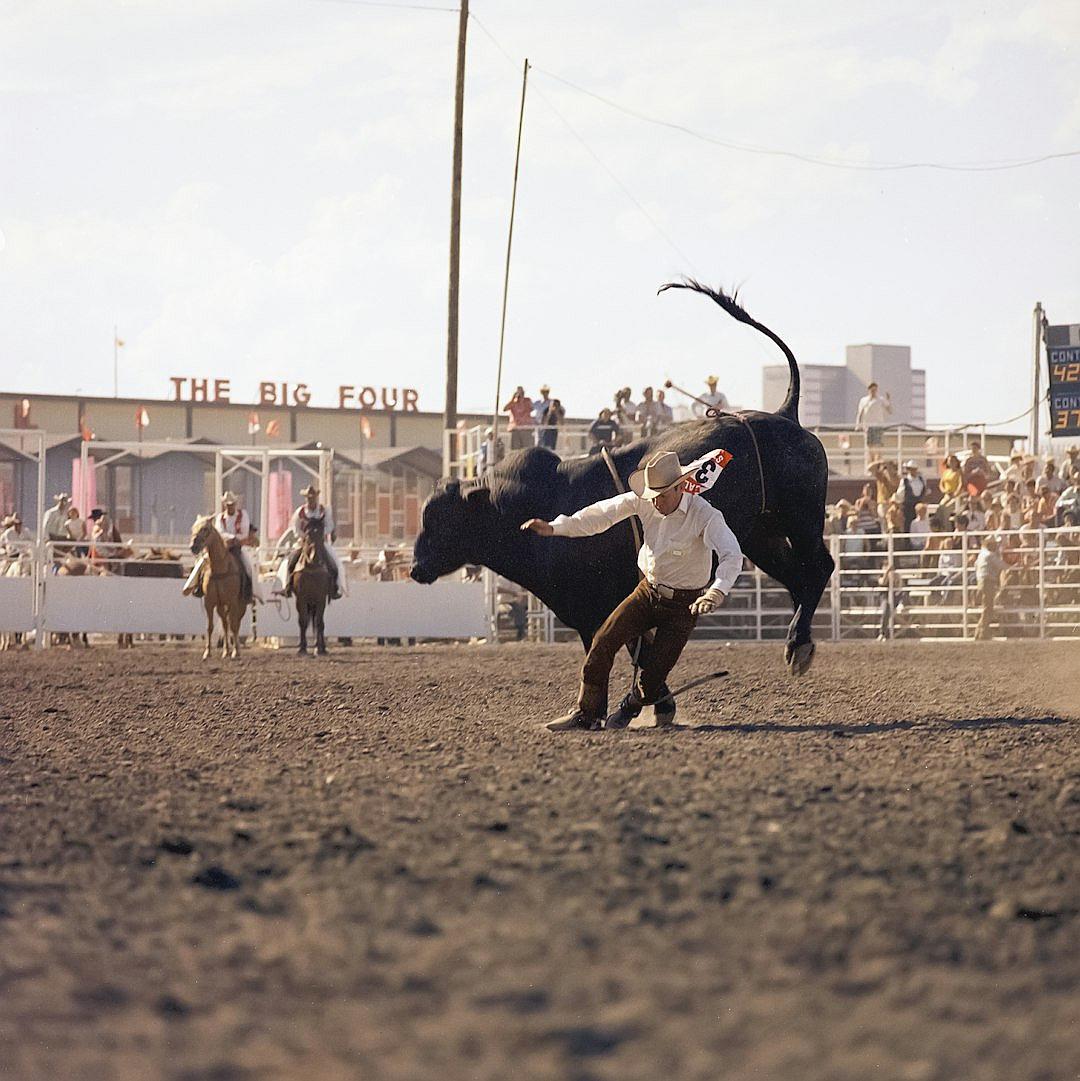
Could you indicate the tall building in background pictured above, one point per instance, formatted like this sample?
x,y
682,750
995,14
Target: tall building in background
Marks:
x,y
831,392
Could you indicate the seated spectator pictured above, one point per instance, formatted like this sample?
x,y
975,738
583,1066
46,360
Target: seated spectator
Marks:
x,y
604,432
1015,471
1070,471
521,426
550,421
920,528
978,472
894,517
951,480
1045,506
866,516
976,513
1051,479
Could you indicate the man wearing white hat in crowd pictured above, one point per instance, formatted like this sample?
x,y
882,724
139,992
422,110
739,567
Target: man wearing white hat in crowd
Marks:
x,y
310,509
234,525
682,531
712,398
54,522
14,542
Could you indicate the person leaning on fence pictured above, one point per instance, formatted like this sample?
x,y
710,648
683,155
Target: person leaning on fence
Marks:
x,y
53,527
604,432
550,421
989,567
14,543
682,532
665,415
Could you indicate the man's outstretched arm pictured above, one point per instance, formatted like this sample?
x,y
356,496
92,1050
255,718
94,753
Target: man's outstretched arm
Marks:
x,y
588,521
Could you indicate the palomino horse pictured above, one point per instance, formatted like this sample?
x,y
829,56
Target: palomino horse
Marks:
x,y
311,585
222,587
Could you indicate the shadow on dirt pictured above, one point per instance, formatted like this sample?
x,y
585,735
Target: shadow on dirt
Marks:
x,y
871,728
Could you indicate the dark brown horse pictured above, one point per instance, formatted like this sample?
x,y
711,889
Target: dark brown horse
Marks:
x,y
311,586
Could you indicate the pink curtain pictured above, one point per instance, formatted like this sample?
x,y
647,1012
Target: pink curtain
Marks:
x,y
83,498
281,495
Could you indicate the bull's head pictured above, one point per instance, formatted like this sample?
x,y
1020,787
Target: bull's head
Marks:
x,y
453,532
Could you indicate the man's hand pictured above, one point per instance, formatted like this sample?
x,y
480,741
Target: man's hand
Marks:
x,y
538,525
708,602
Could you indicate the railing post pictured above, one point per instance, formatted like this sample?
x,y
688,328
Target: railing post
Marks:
x,y
834,588
890,570
1042,582
757,599
964,583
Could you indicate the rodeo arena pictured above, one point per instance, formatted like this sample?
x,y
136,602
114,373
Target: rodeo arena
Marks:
x,y
679,733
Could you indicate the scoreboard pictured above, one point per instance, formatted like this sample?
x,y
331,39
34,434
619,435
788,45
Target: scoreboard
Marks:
x,y
1063,358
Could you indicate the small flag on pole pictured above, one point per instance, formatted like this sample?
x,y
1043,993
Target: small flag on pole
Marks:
x,y
253,423
120,343
85,430
142,418
273,429
365,427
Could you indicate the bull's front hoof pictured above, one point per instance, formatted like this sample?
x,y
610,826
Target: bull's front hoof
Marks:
x,y
799,658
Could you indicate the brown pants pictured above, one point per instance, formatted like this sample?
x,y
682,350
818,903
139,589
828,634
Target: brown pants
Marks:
x,y
987,618
643,610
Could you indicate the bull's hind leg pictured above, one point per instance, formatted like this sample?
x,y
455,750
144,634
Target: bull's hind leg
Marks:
x,y
803,566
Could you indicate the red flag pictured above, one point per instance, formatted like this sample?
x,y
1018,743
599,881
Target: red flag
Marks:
x,y
253,423
273,429
365,426
85,430
142,418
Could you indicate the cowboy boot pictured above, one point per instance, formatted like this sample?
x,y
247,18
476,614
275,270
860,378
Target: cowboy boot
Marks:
x,y
574,721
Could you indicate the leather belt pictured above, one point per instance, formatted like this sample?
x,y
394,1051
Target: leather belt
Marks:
x,y
671,594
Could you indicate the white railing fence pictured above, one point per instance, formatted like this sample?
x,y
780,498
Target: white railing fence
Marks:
x,y
924,596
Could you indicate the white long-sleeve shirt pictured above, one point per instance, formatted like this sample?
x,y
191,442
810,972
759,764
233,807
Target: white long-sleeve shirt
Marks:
x,y
873,412
298,523
677,549
235,526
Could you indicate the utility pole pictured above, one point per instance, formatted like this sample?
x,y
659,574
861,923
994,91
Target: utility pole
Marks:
x,y
1036,368
450,417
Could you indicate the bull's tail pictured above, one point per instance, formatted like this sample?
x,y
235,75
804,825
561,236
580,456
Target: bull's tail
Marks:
x,y
790,406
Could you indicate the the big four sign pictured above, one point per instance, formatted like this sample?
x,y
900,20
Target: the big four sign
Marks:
x,y
1063,356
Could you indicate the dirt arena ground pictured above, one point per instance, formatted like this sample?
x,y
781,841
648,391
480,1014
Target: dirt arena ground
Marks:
x,y
377,866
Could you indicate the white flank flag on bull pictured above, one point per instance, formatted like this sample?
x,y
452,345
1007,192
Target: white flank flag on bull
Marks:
x,y
702,474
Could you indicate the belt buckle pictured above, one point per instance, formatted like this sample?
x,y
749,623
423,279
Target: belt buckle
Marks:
x,y
666,592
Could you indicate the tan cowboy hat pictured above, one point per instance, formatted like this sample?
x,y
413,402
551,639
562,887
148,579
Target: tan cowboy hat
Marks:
x,y
228,497
10,520
61,496
712,380
661,471
311,489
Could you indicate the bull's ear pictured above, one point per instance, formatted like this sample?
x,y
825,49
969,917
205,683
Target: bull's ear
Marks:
x,y
453,487
478,499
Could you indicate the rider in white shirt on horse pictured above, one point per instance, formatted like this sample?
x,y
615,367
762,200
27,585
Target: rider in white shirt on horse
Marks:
x,y
310,509
234,525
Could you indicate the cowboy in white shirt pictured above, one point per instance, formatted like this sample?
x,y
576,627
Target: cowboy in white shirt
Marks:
x,y
234,525
15,542
711,399
309,509
55,518
682,531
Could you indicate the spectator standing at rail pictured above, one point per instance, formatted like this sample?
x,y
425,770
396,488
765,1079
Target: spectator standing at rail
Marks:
x,y
75,528
492,451
711,399
53,527
604,432
624,414
989,567
550,421
646,415
665,414
14,542
873,414
521,426
540,404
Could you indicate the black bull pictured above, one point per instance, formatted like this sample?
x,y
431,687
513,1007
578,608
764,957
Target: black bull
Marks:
x,y
582,580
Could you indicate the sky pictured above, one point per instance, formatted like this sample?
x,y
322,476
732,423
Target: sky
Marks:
x,y
260,190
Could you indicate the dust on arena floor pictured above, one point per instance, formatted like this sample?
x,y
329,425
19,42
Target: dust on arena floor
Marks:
x,y
378,866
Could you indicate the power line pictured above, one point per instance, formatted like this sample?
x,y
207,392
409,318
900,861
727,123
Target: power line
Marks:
x,y
388,4
687,261
829,163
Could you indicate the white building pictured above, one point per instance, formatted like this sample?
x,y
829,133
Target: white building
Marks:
x,y
831,392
